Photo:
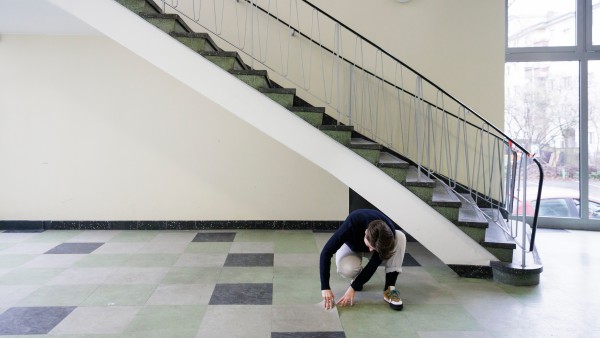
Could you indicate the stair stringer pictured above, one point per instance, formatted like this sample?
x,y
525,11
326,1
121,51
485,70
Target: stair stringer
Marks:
x,y
431,229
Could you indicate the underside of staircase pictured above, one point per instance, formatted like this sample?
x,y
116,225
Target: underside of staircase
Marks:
x,y
458,208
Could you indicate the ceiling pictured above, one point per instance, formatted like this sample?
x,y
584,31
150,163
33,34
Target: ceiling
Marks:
x,y
38,17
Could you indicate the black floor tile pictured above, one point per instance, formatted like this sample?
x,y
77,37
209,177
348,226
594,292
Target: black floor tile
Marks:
x,y
255,259
242,294
333,334
214,237
74,248
409,260
32,320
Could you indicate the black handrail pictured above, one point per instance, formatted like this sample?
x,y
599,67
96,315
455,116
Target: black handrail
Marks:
x,y
393,58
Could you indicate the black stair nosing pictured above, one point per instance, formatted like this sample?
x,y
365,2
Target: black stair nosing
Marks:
x,y
176,17
414,180
361,143
336,127
277,90
152,4
307,109
387,160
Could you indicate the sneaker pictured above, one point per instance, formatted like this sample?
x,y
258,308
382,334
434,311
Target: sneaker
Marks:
x,y
392,296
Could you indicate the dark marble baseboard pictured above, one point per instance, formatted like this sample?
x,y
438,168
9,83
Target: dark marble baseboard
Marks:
x,y
169,225
472,271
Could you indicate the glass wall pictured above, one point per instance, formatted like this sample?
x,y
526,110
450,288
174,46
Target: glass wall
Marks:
x,y
552,103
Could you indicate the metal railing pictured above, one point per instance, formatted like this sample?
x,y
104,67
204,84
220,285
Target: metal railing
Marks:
x,y
385,100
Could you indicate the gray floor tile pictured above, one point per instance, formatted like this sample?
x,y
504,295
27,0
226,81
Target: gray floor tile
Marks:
x,y
74,248
236,321
96,320
340,334
242,294
249,259
32,320
214,237
305,318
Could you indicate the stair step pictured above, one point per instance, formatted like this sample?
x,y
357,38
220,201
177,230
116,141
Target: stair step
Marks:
x,y
168,23
254,78
198,42
140,6
470,215
443,196
368,150
312,115
283,96
387,160
340,133
415,180
226,60
361,143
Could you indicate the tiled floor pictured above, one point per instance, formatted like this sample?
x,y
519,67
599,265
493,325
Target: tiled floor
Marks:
x,y
258,283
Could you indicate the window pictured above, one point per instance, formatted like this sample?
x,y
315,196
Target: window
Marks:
x,y
552,71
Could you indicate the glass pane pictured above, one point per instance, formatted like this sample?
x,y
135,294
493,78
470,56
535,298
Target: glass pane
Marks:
x,y
541,23
542,114
596,22
594,130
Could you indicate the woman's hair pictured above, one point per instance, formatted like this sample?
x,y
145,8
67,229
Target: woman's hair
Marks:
x,y
380,236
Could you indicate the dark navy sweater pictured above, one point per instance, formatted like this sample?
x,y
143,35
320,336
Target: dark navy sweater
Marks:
x,y
352,233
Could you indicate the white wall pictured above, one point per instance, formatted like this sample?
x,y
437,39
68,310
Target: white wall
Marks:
x,y
90,131
457,44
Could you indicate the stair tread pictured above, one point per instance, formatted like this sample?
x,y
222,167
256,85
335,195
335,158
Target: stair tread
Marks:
x,y
390,161
361,143
496,237
167,16
414,179
443,196
469,215
308,109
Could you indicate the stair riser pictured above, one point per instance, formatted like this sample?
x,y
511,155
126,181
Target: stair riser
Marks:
x,y
254,81
424,193
315,119
398,174
368,154
286,100
342,137
504,255
137,6
227,63
478,234
195,44
449,213
167,25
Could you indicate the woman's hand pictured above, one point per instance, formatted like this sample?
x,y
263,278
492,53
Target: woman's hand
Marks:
x,y
348,298
328,299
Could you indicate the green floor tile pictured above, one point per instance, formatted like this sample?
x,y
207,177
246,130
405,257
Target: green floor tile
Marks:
x,y
120,295
29,276
295,242
375,320
13,261
135,236
59,295
255,235
95,261
192,275
208,247
167,321
150,260
58,236
291,291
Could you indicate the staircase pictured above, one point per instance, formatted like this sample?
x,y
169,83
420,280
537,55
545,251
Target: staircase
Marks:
x,y
460,209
